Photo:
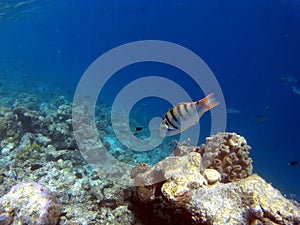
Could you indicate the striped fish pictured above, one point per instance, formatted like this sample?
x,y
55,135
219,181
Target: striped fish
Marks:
x,y
184,115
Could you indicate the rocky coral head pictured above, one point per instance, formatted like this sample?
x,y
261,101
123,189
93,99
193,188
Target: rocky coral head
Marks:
x,y
212,184
224,158
227,153
30,203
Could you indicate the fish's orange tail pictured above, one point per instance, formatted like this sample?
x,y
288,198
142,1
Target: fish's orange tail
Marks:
x,y
207,103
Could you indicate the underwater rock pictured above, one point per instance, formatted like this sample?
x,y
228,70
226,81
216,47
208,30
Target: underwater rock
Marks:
x,y
29,203
181,174
140,168
171,168
247,201
212,176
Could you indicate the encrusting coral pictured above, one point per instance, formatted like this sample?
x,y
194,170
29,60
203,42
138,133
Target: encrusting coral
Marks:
x,y
29,203
212,184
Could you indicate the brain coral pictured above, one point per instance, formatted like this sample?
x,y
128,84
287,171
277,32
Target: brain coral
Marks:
x,y
227,153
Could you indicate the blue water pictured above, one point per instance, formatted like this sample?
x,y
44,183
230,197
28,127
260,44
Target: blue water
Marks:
x,y
249,46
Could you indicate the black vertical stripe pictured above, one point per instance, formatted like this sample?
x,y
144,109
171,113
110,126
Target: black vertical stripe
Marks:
x,y
174,116
186,107
169,121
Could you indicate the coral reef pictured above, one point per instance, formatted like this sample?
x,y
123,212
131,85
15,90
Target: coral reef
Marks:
x,y
29,203
37,145
205,195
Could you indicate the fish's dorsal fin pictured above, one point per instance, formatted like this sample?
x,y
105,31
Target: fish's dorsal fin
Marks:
x,y
182,103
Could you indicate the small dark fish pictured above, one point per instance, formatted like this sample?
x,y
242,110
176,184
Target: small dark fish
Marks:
x,y
266,108
35,166
3,175
232,111
293,163
137,128
296,89
270,145
261,118
63,214
288,79
138,109
108,203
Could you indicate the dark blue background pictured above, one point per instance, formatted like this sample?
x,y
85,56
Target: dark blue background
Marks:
x,y
248,45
